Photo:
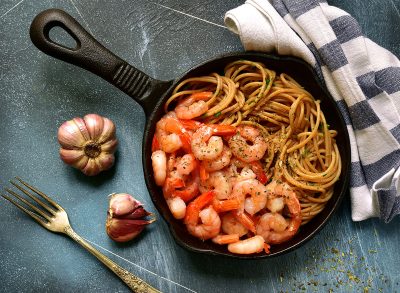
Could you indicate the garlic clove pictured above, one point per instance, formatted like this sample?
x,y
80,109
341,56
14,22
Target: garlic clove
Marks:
x,y
108,131
105,161
71,157
80,123
122,204
109,146
81,163
122,230
94,124
125,217
70,136
92,168
139,212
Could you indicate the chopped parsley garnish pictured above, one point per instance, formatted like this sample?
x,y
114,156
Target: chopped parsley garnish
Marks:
x,y
217,114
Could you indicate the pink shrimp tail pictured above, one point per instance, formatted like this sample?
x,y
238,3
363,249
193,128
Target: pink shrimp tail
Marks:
x,y
193,209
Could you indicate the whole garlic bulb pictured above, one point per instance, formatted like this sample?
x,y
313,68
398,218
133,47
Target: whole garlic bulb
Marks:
x,y
88,143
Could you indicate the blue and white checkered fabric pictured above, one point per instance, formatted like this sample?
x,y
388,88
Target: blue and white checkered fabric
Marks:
x,y
363,78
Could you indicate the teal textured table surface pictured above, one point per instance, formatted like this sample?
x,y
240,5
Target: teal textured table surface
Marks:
x,y
163,39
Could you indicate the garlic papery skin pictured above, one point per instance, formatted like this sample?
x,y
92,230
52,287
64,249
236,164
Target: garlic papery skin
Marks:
x,y
88,143
125,217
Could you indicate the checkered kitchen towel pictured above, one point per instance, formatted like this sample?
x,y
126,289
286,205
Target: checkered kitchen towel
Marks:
x,y
363,78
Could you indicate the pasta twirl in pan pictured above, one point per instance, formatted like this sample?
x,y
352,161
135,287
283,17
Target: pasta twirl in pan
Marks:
x,y
244,158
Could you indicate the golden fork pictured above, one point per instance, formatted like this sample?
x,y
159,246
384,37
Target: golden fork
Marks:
x,y
55,219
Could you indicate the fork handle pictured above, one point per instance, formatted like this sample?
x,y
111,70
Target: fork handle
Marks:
x,y
133,282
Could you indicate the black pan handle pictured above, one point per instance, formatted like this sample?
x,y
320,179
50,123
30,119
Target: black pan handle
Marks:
x,y
91,55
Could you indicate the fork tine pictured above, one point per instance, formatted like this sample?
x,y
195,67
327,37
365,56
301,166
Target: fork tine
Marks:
x,y
40,212
43,195
35,198
32,214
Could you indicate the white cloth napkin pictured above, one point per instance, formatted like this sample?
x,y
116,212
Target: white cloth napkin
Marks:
x,y
362,77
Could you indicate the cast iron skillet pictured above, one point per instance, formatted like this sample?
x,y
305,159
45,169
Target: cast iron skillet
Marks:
x,y
151,95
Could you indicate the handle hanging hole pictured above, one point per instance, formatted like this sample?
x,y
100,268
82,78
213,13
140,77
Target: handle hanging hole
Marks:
x,y
61,37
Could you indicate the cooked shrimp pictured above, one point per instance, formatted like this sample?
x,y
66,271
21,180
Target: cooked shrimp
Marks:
x,y
256,190
258,169
271,226
282,191
204,150
169,134
209,227
206,145
239,171
173,125
159,163
245,220
186,164
245,174
220,162
248,152
185,187
172,183
230,225
155,146
193,106
275,204
174,178
225,239
191,125
177,207
271,222
221,206
168,142
171,161
219,182
190,190
182,177
210,223
242,170
186,167
251,245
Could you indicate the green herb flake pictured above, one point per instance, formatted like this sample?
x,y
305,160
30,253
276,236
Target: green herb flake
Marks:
x,y
217,114
314,282
334,250
305,152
